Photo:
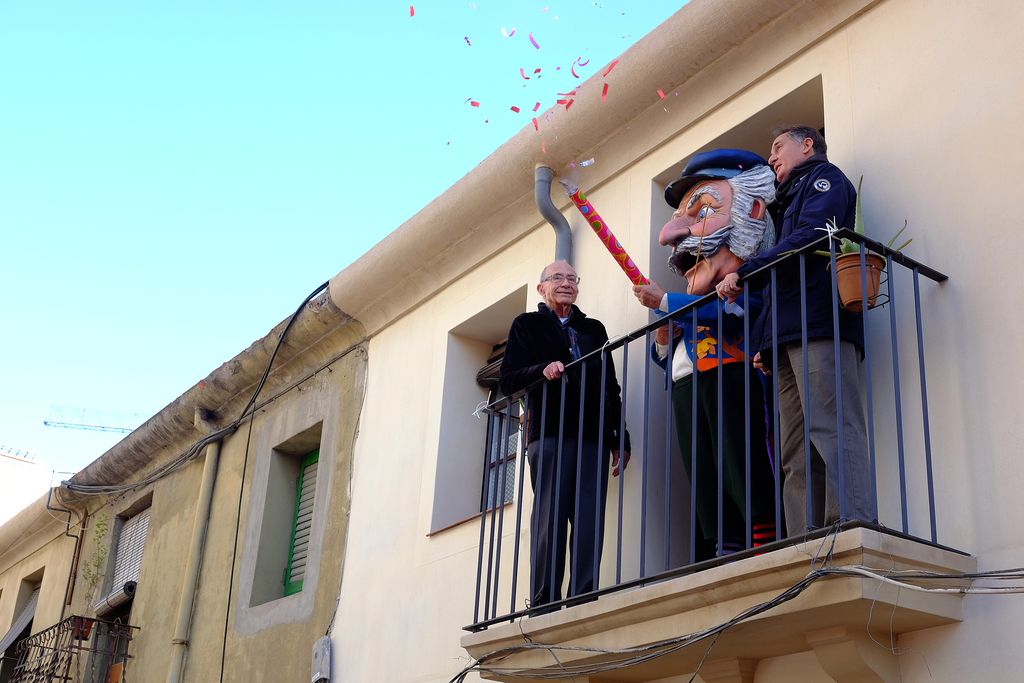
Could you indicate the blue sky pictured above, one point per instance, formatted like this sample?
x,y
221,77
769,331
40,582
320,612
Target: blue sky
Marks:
x,y
176,177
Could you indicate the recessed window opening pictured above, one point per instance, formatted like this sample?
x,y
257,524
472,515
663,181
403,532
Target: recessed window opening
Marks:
x,y
285,538
468,438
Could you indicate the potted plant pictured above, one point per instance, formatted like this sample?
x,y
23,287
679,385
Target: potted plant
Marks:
x,y
81,627
848,271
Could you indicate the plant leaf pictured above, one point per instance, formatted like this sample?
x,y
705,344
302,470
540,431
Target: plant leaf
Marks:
x,y
893,239
858,215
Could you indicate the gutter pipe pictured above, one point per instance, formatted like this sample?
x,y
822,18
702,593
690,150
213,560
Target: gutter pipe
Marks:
x,y
542,177
179,643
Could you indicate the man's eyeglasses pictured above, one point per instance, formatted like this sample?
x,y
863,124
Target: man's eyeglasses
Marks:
x,y
558,279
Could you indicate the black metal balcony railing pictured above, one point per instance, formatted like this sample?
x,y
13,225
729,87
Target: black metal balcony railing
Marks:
x,y
649,544
80,649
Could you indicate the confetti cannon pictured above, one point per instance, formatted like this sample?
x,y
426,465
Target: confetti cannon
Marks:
x,y
604,234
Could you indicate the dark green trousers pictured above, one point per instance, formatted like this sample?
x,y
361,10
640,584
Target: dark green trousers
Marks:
x,y
700,419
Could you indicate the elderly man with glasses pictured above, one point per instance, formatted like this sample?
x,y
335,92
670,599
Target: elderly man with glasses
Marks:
x,y
569,460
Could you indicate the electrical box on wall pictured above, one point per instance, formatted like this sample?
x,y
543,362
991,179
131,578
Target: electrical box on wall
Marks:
x,y
321,661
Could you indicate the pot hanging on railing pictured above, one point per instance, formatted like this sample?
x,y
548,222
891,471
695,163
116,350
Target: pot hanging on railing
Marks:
x,y
849,281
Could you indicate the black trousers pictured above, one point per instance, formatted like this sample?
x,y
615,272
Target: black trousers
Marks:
x,y
569,491
704,482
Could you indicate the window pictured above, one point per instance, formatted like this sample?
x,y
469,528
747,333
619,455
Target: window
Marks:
x,y
131,543
21,627
467,440
305,492
289,514
502,444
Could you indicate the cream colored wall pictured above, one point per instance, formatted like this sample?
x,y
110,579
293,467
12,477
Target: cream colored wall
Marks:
x,y
921,98
53,557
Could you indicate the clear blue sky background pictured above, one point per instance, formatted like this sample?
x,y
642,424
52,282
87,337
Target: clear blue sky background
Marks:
x,y
176,177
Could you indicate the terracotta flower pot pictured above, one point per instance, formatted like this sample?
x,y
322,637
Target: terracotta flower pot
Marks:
x,y
81,628
848,279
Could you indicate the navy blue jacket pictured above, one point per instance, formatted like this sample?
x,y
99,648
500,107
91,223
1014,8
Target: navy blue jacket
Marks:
x,y
537,339
815,192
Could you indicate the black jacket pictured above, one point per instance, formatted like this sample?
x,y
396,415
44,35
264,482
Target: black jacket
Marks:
x,y
537,339
815,192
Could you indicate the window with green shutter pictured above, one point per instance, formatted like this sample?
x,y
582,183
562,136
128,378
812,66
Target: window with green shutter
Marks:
x,y
305,492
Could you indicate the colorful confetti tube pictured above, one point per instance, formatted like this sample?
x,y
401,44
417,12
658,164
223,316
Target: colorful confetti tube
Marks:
x,y
604,234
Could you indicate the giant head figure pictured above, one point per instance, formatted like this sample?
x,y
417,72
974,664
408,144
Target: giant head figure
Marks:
x,y
721,218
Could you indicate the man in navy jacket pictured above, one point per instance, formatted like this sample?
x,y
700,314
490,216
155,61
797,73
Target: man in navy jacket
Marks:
x,y
812,191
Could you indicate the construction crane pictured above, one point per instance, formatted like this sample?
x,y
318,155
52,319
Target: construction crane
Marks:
x,y
93,420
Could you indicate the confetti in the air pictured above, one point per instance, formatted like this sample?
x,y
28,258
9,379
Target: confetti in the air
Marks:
x,y
412,11
536,106
467,41
543,147
661,94
515,108
474,103
522,72
535,126
604,92
533,41
610,67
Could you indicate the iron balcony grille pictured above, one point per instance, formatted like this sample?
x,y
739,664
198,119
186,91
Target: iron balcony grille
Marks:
x,y
647,538
80,649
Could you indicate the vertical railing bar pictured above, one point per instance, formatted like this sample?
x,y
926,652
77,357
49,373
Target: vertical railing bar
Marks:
x,y
667,522
747,507
556,516
573,579
719,451
776,427
483,523
692,344
535,555
600,494
924,405
806,403
836,342
499,500
521,469
643,467
896,391
622,446
867,368
492,509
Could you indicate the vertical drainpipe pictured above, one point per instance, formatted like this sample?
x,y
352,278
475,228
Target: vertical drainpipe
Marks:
x,y
542,177
179,643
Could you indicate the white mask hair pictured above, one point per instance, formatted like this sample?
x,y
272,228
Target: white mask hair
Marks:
x,y
748,236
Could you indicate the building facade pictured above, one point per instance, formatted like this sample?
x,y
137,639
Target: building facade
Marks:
x,y
414,566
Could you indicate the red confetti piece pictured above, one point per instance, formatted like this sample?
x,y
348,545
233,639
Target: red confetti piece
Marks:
x,y
515,109
412,11
573,71
474,103
580,61
522,72
610,67
571,93
661,94
511,33
536,106
535,126
604,92
537,70
533,41
569,104
561,101
543,147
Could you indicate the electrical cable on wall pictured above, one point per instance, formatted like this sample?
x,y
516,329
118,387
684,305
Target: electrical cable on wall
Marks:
x,y
632,656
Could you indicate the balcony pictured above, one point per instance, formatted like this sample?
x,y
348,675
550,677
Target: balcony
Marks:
x,y
680,587
79,649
